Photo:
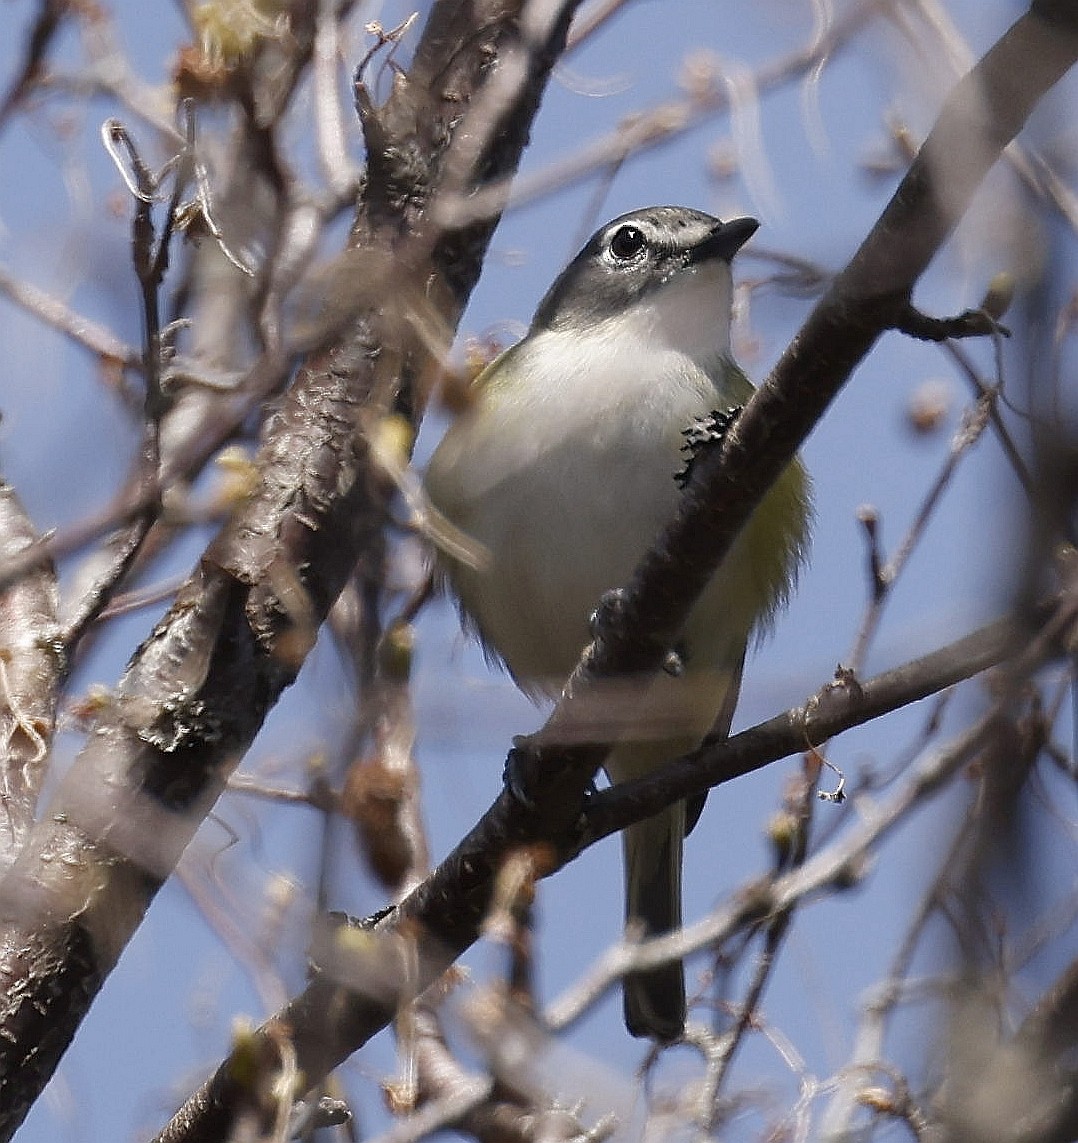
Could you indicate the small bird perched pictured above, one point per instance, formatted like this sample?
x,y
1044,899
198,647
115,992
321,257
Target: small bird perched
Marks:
x,y
564,470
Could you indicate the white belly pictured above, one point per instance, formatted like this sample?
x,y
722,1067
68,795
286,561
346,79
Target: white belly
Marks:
x,y
566,516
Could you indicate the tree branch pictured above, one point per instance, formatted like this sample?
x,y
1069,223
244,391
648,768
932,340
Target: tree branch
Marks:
x,y
358,989
839,706
984,112
197,691
30,667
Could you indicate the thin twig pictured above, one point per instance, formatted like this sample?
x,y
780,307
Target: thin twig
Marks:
x,y
81,330
641,132
969,432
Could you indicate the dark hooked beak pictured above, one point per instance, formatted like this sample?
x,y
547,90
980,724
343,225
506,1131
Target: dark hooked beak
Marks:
x,y
724,241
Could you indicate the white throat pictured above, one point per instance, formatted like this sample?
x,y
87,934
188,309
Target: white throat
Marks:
x,y
689,315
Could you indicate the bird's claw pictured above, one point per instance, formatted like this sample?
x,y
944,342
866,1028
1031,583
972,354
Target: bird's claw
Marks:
x,y
610,605
513,774
703,434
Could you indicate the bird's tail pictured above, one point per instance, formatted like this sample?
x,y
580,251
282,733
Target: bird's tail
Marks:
x,y
672,715
655,999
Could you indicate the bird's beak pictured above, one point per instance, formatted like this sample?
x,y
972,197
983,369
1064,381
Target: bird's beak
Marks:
x,y
724,241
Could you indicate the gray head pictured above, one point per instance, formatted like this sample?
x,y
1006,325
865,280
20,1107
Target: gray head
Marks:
x,y
633,257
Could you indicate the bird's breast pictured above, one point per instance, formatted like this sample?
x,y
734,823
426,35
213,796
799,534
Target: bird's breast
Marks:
x,y
565,474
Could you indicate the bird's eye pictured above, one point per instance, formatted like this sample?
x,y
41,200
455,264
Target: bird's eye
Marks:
x,y
627,243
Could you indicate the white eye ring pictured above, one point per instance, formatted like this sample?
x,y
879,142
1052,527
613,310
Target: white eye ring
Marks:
x,y
627,243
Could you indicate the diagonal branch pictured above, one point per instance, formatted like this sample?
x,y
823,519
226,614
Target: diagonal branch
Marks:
x,y
984,112
199,688
345,1005
1027,649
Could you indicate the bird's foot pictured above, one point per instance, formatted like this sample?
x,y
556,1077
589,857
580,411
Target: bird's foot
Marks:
x,y
674,662
604,615
610,606
703,434
516,771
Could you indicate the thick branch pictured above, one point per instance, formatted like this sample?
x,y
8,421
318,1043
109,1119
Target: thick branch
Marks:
x,y
30,666
359,985
982,115
197,691
985,111
346,1003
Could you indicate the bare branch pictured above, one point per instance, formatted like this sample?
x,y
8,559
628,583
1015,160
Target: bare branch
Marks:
x,y
641,132
197,690
864,300
31,664
838,864
861,303
91,336
50,16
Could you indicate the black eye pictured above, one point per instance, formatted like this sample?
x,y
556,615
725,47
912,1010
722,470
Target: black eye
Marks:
x,y
627,243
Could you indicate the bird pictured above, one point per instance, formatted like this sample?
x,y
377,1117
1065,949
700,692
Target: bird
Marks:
x,y
562,470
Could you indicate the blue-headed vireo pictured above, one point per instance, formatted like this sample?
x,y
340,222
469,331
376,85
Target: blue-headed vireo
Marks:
x,y
563,472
